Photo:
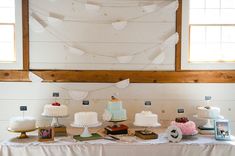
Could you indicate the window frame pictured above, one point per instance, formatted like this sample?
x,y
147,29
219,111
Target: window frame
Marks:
x,y
20,75
185,42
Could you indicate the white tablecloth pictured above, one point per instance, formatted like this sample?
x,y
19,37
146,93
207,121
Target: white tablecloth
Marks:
x,y
127,146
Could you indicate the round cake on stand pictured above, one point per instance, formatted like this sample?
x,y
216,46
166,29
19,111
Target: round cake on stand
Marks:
x,y
115,113
22,125
56,111
187,127
210,114
86,120
146,119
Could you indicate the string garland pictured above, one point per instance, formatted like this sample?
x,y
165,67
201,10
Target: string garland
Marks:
x,y
118,25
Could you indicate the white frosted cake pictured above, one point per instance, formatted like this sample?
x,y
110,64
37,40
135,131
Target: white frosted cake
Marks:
x,y
146,118
85,118
116,111
208,112
55,109
22,123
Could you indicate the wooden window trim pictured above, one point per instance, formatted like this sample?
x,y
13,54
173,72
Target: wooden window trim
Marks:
x,y
20,75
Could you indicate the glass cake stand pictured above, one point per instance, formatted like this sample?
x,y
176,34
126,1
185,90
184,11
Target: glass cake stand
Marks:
x,y
86,132
210,121
23,134
55,120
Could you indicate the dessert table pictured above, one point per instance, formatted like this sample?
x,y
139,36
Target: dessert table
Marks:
x,y
126,146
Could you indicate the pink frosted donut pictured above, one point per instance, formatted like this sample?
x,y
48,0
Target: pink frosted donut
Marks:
x,y
187,128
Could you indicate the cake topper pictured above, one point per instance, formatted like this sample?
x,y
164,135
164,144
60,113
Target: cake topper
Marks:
x,y
23,109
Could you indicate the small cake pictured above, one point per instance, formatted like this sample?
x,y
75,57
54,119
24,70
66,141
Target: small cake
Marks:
x,y
114,108
187,127
86,118
55,109
208,112
22,123
146,118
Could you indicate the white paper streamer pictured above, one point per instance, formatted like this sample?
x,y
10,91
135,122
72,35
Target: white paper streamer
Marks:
x,y
75,50
119,25
92,7
122,84
35,78
159,59
173,5
149,8
55,18
170,41
124,59
78,95
36,23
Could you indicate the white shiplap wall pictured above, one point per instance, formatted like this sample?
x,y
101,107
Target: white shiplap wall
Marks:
x,y
93,33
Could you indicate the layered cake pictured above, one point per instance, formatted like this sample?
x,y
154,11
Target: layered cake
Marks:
x,y
146,118
55,109
187,127
85,118
115,111
22,123
208,112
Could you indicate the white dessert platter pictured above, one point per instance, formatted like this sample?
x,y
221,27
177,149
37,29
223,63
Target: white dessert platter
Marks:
x,y
146,127
86,132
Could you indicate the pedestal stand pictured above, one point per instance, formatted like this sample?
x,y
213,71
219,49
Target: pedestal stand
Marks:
x,y
209,127
23,134
86,135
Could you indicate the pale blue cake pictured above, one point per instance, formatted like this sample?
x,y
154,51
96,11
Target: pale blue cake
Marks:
x,y
115,108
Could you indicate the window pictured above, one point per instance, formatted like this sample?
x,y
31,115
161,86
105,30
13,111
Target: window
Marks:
x,y
11,34
208,34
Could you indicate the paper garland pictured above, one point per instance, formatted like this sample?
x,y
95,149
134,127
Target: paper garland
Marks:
x,y
35,23
119,25
123,84
34,78
78,95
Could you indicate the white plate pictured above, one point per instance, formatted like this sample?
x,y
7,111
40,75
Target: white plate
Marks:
x,y
94,125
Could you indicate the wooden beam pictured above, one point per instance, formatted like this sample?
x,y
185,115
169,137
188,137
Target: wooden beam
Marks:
x,y
25,21
178,29
14,76
138,76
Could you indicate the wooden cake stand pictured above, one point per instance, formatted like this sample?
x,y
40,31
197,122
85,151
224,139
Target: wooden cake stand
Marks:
x,y
146,134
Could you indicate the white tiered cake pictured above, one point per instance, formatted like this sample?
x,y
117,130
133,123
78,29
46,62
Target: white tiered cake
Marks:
x,y
146,119
85,118
55,110
22,123
114,111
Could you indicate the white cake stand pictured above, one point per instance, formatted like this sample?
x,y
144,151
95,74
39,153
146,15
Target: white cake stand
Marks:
x,y
55,120
210,123
86,132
